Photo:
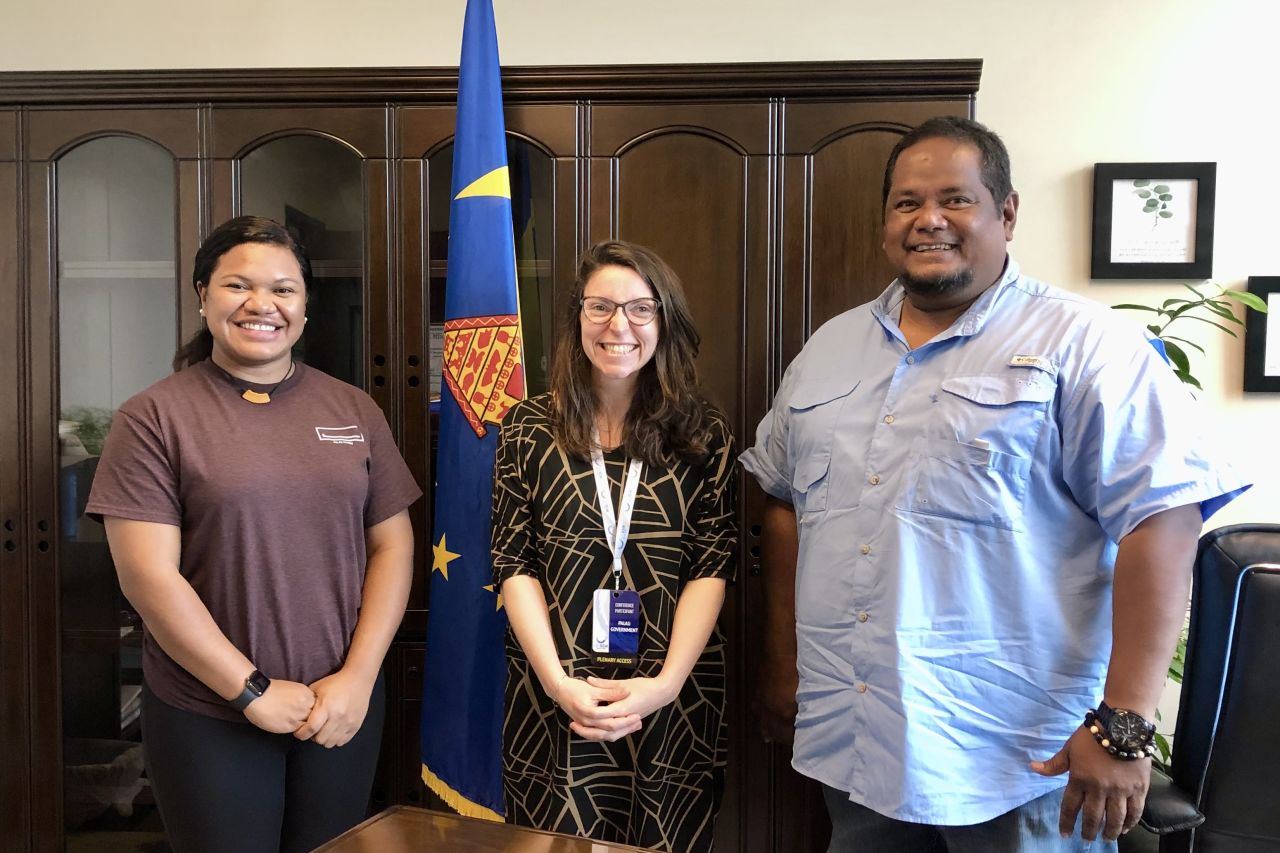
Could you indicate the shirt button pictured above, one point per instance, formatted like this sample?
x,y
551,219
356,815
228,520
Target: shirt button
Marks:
x,y
874,479
864,616
861,687
866,549
911,359
888,419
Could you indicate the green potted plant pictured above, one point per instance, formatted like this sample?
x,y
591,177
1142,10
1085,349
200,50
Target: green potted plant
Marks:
x,y
1211,304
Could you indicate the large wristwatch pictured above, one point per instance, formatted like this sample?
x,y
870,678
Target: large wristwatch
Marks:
x,y
254,686
1125,734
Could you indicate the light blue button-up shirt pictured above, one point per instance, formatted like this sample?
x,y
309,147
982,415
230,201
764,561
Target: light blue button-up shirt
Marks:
x,y
959,507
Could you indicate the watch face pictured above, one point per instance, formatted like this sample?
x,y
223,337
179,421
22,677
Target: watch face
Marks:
x,y
1128,730
257,682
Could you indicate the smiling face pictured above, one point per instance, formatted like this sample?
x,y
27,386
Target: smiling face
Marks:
x,y
619,348
254,305
943,232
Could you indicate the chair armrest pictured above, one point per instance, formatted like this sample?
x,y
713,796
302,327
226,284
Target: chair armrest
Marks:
x,y
1169,808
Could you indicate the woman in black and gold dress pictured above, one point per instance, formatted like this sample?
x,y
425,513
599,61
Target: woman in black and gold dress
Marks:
x,y
625,753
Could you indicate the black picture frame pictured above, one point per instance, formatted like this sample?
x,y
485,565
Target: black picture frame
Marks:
x,y
1105,231
1258,329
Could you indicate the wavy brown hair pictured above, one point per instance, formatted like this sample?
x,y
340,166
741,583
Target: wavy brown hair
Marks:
x,y
669,419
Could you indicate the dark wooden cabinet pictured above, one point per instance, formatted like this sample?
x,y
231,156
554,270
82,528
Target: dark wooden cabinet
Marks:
x,y
760,184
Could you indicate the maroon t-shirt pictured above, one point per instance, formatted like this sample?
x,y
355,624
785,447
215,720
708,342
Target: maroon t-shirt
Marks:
x,y
273,501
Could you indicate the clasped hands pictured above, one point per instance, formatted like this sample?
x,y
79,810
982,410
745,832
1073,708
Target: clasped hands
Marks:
x,y
329,711
602,709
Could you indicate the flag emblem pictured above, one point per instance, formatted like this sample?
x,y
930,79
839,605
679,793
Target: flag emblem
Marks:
x,y
482,367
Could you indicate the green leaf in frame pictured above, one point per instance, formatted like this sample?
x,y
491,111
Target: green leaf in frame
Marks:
x,y
1129,306
1247,298
1142,182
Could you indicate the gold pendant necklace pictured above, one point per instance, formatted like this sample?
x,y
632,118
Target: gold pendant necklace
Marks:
x,y
259,398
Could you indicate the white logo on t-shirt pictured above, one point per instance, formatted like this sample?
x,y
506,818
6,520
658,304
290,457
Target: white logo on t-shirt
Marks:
x,y
340,435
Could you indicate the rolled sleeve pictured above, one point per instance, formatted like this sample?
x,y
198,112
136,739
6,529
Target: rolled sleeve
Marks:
x,y
1135,443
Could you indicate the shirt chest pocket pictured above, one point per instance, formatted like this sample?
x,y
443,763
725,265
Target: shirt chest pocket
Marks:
x,y
974,465
815,411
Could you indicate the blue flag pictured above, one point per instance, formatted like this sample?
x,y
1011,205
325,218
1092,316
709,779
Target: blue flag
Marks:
x,y
483,377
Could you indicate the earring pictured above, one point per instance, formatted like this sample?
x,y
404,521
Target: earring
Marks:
x,y
305,319
201,312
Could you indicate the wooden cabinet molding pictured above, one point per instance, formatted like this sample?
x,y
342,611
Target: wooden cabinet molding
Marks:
x,y
948,78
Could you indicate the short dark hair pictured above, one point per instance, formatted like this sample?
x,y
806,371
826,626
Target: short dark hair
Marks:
x,y
996,173
669,419
224,238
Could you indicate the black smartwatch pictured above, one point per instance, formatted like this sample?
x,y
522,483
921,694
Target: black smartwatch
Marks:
x,y
254,686
1125,734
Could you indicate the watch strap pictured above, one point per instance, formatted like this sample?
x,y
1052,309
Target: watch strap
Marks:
x,y
254,686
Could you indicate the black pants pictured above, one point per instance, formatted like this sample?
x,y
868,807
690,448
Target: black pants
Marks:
x,y
230,787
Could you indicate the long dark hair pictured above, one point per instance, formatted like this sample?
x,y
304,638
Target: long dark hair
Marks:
x,y
224,238
668,420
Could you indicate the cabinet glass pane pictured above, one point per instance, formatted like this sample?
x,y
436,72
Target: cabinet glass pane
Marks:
x,y
315,187
117,332
532,212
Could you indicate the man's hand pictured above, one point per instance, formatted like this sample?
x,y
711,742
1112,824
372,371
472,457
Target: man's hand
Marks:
x,y
775,701
342,701
282,707
1109,793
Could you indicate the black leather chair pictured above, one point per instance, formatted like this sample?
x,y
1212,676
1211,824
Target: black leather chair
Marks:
x,y
1224,792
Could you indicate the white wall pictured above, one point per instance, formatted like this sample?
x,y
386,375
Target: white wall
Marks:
x,y
1066,84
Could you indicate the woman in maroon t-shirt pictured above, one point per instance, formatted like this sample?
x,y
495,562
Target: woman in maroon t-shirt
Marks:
x,y
256,511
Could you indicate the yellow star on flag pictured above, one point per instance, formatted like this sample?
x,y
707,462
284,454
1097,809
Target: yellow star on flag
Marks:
x,y
494,589
441,557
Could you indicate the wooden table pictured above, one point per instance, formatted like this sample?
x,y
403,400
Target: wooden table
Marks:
x,y
404,828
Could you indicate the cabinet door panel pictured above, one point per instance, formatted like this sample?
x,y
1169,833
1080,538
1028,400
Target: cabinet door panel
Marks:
x,y
686,183
50,132
552,127
336,202
233,131
15,804
833,169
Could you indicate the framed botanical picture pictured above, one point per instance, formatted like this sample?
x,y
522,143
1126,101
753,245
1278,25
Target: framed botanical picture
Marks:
x,y
1262,337
1153,220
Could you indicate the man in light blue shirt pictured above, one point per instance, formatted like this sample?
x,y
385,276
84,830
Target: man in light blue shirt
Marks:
x,y
985,499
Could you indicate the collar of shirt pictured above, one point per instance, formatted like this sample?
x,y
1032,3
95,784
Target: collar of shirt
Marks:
x,y
887,307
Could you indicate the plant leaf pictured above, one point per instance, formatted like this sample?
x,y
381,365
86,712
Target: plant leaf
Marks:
x,y
1154,329
1164,214
1166,197
1175,301
1129,306
1167,338
1179,358
1222,310
1144,193
1250,299
1211,323
1188,379
1161,188
1142,182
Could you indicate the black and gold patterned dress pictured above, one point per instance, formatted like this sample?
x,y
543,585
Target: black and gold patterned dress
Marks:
x,y
659,787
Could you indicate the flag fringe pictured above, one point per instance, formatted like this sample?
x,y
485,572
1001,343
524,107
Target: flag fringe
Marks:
x,y
456,801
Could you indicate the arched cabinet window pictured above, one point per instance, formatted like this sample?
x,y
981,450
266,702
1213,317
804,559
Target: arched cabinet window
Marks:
x,y
314,186
117,320
324,174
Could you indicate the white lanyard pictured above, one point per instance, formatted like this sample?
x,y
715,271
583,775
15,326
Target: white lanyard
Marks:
x,y
615,528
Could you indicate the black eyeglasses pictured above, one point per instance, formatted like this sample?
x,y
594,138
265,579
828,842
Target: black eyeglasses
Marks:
x,y
600,310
